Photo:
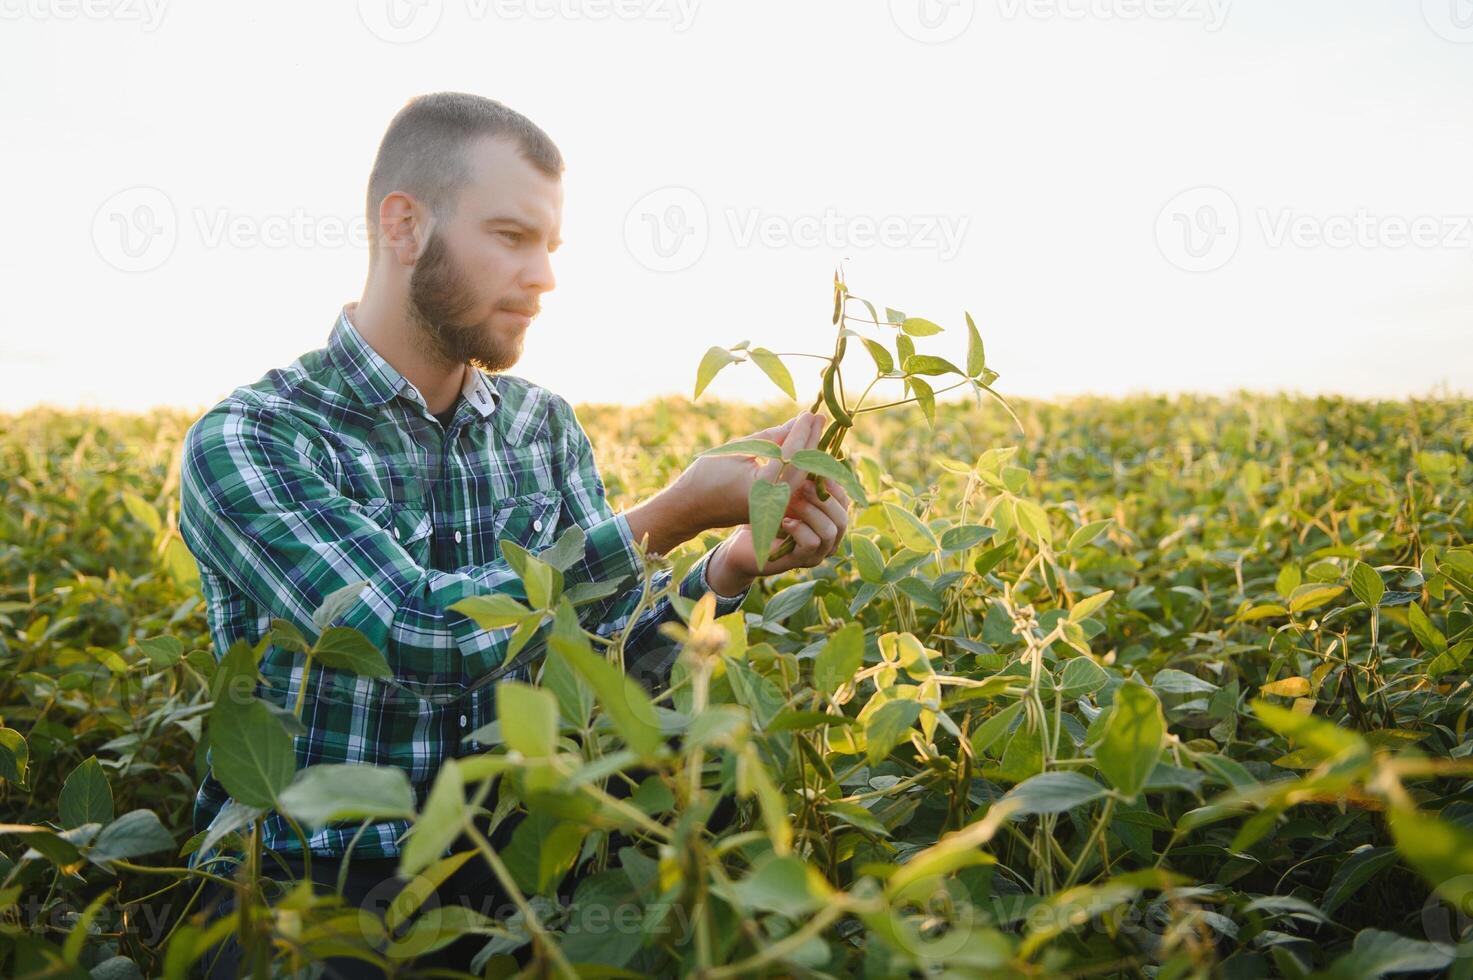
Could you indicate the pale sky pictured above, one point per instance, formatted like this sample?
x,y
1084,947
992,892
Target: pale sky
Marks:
x,y
1127,195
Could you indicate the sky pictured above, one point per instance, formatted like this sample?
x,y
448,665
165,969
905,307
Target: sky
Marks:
x,y
1128,196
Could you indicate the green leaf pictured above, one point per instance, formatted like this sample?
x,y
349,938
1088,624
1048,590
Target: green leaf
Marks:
x,y
841,657
1366,583
867,558
767,502
815,461
774,368
912,531
781,884
976,355
765,448
880,354
1327,739
542,584
162,651
528,718
1440,850
1289,578
994,728
887,726
1428,635
86,796
14,755
1053,792
1450,659
438,824
567,551
1133,740
1081,676
1087,533
574,698
328,793
251,752
714,360
1088,606
134,834
621,698
336,603
344,648
925,397
930,365
919,327
1033,521
856,816
143,512
494,611
1312,595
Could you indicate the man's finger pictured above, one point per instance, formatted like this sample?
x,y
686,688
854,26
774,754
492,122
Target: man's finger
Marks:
x,y
777,432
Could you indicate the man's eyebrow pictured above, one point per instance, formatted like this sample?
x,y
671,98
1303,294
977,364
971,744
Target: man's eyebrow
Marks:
x,y
507,219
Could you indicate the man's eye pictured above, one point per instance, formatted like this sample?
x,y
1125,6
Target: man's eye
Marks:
x,y
515,236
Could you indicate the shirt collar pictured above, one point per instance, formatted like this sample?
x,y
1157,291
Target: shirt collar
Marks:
x,y
375,381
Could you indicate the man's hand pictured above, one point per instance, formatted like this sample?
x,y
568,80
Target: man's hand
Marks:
x,y
816,527
718,487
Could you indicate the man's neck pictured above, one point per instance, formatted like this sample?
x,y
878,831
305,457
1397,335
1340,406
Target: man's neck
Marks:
x,y
389,336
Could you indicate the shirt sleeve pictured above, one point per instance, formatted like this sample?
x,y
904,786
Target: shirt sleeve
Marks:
x,y
584,493
257,505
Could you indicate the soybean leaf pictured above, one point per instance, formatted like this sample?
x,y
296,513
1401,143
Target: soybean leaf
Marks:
x,y
528,718
438,824
774,368
1053,792
86,796
14,755
714,360
324,794
344,648
930,364
917,326
911,530
1133,738
867,558
821,463
1081,676
840,658
494,611
1366,583
765,448
767,502
134,834
336,603
625,703
976,355
162,651
880,354
925,397
887,726
250,751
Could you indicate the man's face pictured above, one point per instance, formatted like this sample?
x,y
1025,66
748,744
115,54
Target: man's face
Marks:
x,y
477,285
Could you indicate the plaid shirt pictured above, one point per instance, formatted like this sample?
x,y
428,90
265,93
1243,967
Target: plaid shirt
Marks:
x,y
333,471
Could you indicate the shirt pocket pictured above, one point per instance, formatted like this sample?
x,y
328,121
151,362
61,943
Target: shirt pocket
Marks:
x,y
529,519
409,523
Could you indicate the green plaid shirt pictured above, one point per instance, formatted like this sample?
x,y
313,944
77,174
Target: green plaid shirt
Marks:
x,y
333,471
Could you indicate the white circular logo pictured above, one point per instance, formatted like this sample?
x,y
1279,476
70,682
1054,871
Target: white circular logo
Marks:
x,y
667,229
400,21
1451,19
1199,230
932,21
135,230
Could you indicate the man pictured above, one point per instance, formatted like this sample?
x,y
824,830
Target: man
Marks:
x,y
401,454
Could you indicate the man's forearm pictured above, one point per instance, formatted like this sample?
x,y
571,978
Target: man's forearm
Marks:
x,y
667,521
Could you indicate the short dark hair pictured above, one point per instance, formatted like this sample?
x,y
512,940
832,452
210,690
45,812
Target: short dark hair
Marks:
x,y
423,152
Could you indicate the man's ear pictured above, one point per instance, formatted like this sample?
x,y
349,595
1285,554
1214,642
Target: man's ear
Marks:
x,y
404,227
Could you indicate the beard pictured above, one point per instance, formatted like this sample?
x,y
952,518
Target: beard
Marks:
x,y
440,303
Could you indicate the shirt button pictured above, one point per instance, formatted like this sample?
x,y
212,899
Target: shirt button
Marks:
x,y
396,534
457,537
462,721
537,525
